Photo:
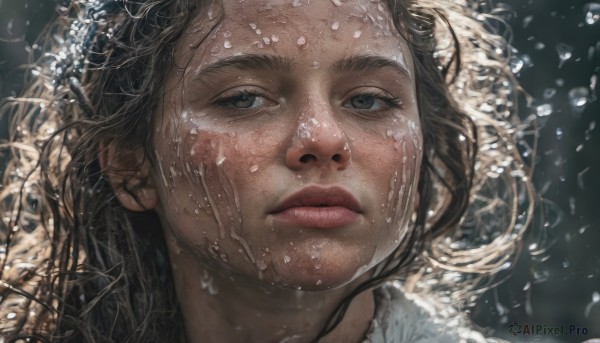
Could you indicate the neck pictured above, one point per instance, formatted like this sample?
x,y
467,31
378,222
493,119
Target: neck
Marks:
x,y
225,309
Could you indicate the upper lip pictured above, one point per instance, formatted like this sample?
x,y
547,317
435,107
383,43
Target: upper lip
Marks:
x,y
315,196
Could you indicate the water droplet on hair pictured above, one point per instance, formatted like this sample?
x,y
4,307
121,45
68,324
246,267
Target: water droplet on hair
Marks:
x,y
516,64
572,205
549,93
578,99
580,176
227,44
301,41
527,20
539,46
543,110
11,315
583,228
592,13
559,133
357,33
335,26
560,82
565,52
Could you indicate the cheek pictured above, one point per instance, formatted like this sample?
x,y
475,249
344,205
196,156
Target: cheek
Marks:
x,y
393,161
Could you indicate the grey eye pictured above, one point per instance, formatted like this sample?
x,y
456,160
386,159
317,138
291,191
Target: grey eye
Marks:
x,y
243,100
363,102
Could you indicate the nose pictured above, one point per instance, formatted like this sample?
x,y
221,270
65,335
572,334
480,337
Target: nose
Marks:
x,y
318,142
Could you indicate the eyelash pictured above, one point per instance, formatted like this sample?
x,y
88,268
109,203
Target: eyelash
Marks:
x,y
390,101
226,101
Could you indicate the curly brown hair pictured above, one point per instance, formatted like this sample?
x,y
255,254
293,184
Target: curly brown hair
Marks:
x,y
77,266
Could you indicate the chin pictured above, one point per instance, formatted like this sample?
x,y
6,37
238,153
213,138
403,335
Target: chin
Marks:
x,y
327,273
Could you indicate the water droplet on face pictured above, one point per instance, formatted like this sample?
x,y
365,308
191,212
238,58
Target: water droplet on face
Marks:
x,y
227,44
337,3
296,3
357,34
335,26
543,110
254,168
286,259
275,38
266,40
301,41
316,65
539,46
565,52
592,13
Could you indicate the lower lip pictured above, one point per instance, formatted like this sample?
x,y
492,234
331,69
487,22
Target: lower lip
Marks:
x,y
327,217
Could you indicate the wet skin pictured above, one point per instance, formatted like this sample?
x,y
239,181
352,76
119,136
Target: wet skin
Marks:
x,y
272,101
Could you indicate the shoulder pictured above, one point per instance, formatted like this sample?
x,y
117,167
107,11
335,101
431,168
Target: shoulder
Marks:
x,y
406,317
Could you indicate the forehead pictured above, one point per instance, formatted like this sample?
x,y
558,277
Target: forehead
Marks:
x,y
312,31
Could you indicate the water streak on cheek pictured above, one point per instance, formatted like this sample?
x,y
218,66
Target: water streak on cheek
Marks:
x,y
210,157
403,183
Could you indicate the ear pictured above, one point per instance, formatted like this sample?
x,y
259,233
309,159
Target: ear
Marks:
x,y
128,172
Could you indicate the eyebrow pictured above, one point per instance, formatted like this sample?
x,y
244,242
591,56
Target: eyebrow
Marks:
x,y
247,62
354,63
365,63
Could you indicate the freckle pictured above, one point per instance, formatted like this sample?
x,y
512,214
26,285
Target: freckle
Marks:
x,y
335,26
301,41
227,44
357,34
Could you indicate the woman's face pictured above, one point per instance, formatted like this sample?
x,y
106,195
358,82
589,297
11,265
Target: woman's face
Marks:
x,y
288,141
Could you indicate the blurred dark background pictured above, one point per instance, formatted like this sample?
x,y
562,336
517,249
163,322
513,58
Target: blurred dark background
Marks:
x,y
557,59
